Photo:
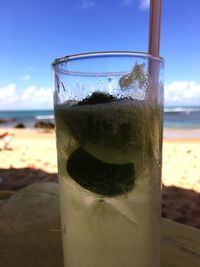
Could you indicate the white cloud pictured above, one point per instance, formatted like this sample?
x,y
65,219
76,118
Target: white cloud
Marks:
x,y
25,77
177,93
144,4
8,95
7,91
182,93
85,4
30,98
126,2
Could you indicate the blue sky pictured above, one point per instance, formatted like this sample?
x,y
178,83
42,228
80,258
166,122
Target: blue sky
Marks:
x,y
34,33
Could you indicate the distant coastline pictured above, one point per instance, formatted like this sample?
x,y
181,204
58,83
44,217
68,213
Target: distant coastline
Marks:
x,y
182,117
9,119
174,117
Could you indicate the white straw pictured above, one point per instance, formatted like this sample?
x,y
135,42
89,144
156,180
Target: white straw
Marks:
x,y
154,27
154,45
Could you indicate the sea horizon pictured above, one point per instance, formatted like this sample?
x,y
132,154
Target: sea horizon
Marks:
x,y
175,117
170,107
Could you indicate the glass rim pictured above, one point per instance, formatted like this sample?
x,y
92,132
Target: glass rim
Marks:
x,y
55,64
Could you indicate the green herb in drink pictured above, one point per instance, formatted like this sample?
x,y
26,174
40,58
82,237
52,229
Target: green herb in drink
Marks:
x,y
97,98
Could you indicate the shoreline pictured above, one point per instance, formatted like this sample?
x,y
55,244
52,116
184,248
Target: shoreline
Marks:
x,y
36,148
31,157
169,134
181,135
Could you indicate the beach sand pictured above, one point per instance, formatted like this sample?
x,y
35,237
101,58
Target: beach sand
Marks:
x,y
181,176
31,157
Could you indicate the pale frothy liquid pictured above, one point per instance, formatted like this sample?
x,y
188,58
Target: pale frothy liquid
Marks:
x,y
109,177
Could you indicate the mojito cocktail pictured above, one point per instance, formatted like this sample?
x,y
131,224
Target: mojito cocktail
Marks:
x,y
108,113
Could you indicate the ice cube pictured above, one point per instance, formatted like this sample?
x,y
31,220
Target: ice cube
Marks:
x,y
138,76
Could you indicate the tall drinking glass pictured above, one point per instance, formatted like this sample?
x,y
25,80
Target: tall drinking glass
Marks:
x,y
108,112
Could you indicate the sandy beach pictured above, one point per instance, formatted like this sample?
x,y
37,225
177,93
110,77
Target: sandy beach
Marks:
x,y
31,157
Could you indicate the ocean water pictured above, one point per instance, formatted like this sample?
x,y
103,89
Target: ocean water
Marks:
x,y
27,117
182,118
174,117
